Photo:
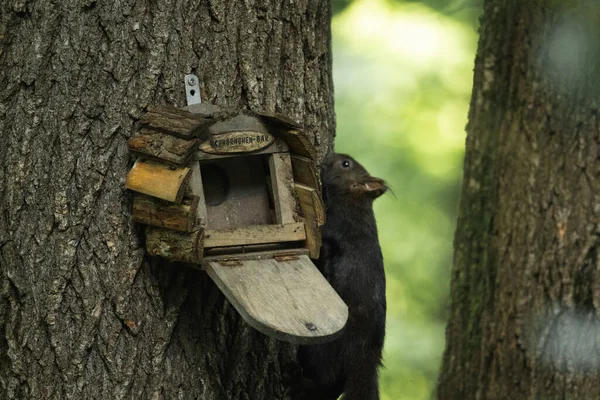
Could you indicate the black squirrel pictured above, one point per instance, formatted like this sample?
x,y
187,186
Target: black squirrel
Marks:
x,y
352,262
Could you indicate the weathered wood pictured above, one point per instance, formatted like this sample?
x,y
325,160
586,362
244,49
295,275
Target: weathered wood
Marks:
x,y
252,249
158,180
281,246
279,120
298,142
196,189
237,142
149,210
223,251
311,197
255,235
314,217
175,246
282,181
160,146
257,255
177,121
306,172
289,300
278,146
239,122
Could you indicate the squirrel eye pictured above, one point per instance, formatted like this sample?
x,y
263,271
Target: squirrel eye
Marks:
x,y
346,164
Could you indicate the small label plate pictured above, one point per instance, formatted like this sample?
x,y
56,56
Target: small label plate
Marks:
x,y
237,142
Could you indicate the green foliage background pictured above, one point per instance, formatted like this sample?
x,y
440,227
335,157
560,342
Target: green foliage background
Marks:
x,y
403,77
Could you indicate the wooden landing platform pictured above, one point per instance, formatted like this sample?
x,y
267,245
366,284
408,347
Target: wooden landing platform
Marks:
x,y
282,296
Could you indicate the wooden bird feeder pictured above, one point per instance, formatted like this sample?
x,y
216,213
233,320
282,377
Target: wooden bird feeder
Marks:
x,y
238,194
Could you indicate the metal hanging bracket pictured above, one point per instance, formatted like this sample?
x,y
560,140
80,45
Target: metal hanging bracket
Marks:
x,y
192,89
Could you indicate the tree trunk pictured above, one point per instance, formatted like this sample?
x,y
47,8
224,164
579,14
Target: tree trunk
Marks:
x,y
84,314
526,276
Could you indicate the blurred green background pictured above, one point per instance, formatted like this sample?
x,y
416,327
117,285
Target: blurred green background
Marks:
x,y
403,76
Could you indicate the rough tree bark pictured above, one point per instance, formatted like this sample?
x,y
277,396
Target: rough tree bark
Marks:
x,y
526,277
83,313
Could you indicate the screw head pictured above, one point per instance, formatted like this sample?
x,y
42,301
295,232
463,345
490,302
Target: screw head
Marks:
x,y
191,81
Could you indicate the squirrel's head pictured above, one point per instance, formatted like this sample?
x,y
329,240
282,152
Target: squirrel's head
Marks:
x,y
342,175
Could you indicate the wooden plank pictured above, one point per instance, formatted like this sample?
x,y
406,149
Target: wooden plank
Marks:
x,y
195,188
152,211
314,217
223,251
298,142
288,300
306,172
175,246
309,197
160,146
282,181
241,121
253,249
258,255
279,146
158,180
177,121
280,120
255,235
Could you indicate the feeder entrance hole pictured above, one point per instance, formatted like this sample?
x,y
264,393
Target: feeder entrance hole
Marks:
x,y
237,192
